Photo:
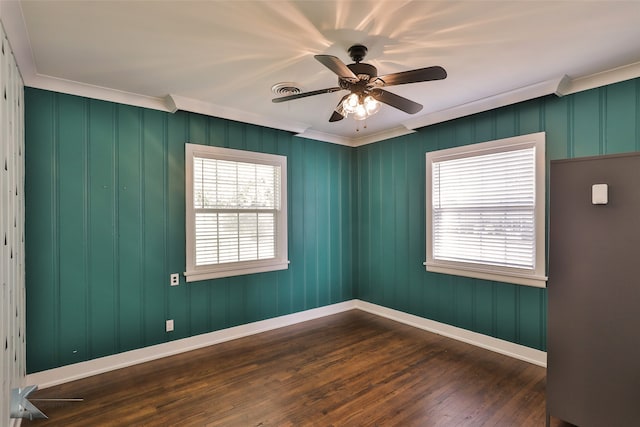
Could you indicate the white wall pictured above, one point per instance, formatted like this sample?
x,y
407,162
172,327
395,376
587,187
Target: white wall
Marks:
x,y
12,287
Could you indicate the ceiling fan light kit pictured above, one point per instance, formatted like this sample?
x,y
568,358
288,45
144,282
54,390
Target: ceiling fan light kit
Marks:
x,y
359,105
365,87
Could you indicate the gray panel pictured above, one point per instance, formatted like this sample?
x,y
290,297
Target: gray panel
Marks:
x,y
593,348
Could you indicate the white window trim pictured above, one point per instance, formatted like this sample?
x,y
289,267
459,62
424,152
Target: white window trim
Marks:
x,y
535,277
280,262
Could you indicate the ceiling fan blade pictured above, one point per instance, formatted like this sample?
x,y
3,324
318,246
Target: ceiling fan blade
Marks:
x,y
337,66
337,116
305,94
414,76
396,101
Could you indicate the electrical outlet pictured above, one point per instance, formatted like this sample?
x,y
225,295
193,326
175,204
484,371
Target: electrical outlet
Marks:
x,y
175,279
169,325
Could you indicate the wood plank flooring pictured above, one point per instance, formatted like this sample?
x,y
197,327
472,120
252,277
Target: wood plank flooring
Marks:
x,y
349,369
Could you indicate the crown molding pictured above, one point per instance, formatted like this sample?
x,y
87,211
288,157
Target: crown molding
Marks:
x,y
615,75
381,136
177,102
325,137
70,87
536,90
355,142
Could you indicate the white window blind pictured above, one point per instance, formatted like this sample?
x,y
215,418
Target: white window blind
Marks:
x,y
235,206
239,222
485,208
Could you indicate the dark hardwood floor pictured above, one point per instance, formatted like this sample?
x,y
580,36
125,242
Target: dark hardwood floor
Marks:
x,y
349,369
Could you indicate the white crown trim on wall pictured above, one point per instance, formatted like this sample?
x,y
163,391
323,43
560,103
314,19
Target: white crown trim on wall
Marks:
x,y
13,20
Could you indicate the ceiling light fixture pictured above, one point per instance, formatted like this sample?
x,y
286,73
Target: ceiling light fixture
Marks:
x,y
360,106
365,87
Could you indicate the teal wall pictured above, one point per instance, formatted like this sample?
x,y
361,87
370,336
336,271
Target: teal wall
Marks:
x,y
391,208
105,222
105,228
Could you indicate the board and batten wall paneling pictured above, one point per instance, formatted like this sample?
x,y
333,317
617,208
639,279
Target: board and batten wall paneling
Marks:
x,y
391,208
12,259
105,215
105,229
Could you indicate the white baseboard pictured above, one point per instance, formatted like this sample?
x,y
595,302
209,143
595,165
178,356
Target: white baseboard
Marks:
x,y
52,377
64,374
517,351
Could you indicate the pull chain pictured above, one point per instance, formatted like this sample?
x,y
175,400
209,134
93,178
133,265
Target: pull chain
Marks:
x,y
358,125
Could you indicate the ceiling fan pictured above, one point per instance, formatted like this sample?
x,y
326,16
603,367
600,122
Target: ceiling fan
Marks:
x,y
365,87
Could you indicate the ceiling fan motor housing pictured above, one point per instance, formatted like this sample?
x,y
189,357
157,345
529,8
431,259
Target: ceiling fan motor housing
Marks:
x,y
360,69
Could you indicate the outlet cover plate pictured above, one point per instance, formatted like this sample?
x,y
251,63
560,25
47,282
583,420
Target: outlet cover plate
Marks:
x,y
175,279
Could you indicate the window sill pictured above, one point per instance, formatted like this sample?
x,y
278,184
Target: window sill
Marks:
x,y
230,271
498,276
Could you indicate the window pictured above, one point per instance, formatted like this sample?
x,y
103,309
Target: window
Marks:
x,y
485,210
236,212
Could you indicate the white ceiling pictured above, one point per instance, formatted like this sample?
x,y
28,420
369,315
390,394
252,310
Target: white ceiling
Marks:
x,y
223,57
